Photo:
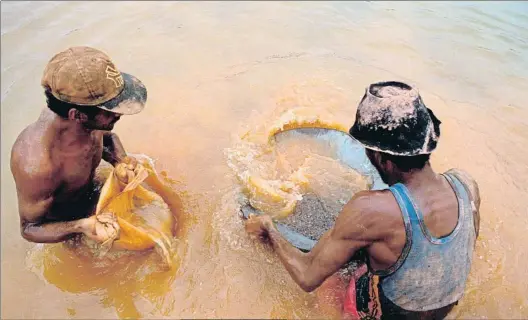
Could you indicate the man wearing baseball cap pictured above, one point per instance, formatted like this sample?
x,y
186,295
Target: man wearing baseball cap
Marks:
x,y
418,235
53,160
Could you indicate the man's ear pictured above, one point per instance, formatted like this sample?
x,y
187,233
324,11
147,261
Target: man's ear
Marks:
x,y
76,115
384,163
72,114
389,166
379,159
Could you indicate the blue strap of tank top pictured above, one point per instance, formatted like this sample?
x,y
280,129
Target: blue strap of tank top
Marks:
x,y
405,200
408,215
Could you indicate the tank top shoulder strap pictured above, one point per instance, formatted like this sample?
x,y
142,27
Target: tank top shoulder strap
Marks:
x,y
432,271
460,189
405,201
408,215
463,196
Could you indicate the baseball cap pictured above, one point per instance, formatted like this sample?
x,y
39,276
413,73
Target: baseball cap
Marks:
x,y
87,77
392,118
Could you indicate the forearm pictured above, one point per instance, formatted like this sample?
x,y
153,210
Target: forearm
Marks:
x,y
113,150
295,261
331,252
51,232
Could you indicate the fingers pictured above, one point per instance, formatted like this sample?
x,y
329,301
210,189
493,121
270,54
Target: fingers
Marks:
x,y
111,230
126,173
106,227
106,217
252,223
122,173
267,222
130,162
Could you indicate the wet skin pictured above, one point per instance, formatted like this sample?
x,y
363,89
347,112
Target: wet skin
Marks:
x,y
53,162
372,221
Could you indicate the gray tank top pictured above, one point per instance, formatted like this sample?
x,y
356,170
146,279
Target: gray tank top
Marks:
x,y
431,272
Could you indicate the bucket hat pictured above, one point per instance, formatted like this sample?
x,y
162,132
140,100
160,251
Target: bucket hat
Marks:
x,y
392,118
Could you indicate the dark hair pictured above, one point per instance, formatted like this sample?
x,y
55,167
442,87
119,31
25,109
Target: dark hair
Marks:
x,y
62,108
407,163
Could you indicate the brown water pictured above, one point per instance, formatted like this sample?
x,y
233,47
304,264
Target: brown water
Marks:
x,y
215,70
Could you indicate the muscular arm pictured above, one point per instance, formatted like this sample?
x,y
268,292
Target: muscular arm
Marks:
x,y
51,232
350,233
35,197
113,150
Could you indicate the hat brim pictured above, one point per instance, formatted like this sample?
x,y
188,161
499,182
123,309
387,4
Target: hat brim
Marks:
x,y
368,144
132,98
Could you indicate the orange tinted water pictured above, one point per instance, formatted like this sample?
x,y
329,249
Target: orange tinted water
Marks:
x,y
215,70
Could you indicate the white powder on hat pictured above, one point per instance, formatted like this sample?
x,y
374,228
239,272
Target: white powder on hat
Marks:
x,y
387,106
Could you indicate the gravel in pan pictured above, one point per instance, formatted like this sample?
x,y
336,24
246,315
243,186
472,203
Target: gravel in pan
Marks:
x,y
313,216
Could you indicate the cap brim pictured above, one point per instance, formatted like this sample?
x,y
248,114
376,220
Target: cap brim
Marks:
x,y
132,98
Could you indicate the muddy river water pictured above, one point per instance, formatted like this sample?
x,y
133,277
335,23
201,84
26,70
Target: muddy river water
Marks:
x,y
215,70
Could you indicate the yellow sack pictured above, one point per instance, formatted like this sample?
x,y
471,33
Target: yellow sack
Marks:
x,y
144,220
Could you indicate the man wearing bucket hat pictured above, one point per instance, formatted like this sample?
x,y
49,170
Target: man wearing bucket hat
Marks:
x,y
53,160
418,234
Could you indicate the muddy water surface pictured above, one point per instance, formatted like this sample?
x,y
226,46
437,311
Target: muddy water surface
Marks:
x,y
215,70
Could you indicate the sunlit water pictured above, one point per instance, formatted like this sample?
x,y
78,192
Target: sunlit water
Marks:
x,y
214,71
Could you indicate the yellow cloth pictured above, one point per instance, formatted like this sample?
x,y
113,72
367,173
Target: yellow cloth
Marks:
x,y
144,219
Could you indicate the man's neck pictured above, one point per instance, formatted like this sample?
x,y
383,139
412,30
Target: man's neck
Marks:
x,y
416,178
68,133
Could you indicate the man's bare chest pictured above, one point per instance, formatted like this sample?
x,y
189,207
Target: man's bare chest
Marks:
x,y
77,168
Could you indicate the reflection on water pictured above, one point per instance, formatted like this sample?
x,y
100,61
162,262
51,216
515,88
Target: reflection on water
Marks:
x,y
215,71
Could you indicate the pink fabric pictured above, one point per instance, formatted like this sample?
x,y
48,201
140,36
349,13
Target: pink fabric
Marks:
x,y
349,305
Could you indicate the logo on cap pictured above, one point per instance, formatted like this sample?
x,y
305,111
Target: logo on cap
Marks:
x,y
115,76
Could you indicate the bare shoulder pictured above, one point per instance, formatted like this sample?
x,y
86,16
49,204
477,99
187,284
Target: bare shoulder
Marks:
x,y
369,214
31,163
